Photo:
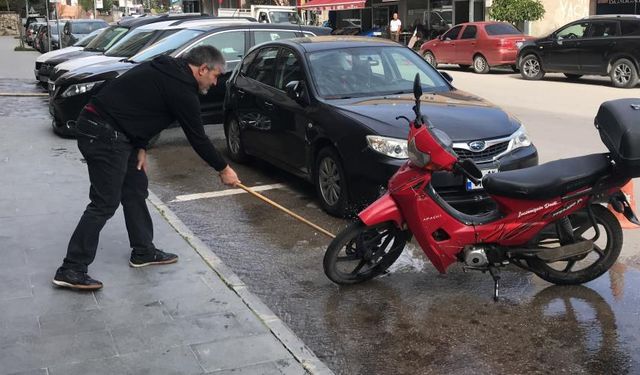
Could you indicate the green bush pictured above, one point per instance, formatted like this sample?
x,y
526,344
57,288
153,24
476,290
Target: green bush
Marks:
x,y
516,11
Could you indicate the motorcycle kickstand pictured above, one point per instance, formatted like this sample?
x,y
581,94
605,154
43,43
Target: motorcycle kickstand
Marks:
x,y
495,274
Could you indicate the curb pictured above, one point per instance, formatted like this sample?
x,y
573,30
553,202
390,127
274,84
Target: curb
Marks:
x,y
280,330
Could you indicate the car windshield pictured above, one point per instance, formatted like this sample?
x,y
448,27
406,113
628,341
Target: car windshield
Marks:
x,y
284,17
87,39
107,38
502,29
131,43
86,27
371,71
166,46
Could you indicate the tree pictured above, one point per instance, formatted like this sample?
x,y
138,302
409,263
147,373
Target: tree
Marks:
x,y
517,11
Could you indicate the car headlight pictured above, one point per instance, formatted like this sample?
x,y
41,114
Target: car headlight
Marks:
x,y
520,139
392,147
80,88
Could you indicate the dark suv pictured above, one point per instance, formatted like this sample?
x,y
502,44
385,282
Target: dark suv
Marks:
x,y
596,45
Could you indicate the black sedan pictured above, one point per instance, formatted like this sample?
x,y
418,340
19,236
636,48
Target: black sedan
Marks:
x,y
325,109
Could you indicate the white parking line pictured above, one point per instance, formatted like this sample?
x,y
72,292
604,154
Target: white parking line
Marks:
x,y
224,193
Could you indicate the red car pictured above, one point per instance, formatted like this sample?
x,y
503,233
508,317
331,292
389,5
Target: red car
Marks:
x,y
478,44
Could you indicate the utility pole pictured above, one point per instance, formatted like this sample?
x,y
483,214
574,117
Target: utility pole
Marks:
x,y
95,12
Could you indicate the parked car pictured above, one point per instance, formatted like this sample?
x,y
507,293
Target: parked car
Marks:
x,y
101,43
596,45
80,45
34,18
31,32
326,108
75,30
232,36
478,44
137,40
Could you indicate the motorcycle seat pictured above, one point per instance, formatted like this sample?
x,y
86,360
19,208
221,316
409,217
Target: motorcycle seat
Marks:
x,y
549,180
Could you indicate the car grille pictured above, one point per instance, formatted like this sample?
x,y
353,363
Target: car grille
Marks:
x,y
46,69
486,155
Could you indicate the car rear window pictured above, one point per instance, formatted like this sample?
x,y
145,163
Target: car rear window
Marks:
x,y
501,29
86,27
630,28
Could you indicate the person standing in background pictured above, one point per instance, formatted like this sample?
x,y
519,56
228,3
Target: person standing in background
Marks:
x,y
395,26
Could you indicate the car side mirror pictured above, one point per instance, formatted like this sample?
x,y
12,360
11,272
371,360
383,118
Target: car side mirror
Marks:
x,y
297,91
446,76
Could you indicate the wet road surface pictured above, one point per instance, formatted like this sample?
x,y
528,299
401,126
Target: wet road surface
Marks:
x,y
413,320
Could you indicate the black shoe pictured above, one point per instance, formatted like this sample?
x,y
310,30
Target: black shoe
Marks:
x,y
155,257
67,278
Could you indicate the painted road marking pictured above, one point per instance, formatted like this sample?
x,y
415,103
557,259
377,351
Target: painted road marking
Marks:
x,y
224,193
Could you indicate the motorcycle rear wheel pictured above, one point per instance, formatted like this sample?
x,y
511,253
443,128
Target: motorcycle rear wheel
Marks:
x,y
360,253
586,267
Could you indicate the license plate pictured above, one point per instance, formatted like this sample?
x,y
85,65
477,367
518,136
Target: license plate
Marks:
x,y
472,186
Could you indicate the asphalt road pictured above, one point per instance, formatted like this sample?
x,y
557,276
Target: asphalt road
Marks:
x,y
413,320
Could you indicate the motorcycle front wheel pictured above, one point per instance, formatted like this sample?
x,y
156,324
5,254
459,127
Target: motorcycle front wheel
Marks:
x,y
586,267
360,253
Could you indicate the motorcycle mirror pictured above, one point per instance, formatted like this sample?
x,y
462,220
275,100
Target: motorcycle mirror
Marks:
x,y
417,93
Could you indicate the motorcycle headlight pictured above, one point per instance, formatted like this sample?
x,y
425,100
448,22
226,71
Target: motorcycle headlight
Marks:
x,y
80,88
418,158
520,139
392,147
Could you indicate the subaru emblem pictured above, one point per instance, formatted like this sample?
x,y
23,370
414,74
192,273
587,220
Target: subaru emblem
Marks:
x,y
477,145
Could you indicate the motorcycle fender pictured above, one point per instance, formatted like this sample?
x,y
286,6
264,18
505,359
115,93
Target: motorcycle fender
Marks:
x,y
383,210
620,204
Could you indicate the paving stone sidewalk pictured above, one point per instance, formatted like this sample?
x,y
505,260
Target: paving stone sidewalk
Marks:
x,y
194,317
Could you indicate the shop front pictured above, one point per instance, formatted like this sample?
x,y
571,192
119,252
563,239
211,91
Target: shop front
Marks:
x,y
618,7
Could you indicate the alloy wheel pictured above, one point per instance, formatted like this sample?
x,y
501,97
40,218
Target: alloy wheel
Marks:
x,y
234,137
622,74
329,178
531,67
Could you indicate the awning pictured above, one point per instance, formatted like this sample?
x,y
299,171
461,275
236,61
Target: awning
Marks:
x,y
333,4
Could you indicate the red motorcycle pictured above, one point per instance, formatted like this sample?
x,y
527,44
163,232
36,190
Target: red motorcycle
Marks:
x,y
550,219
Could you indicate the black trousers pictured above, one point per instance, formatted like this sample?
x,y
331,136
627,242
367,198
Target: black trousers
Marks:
x,y
114,180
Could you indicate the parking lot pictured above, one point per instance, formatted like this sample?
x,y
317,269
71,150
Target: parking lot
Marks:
x,y
411,320
414,318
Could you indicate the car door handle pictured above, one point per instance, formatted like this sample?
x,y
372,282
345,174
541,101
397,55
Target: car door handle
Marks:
x,y
268,104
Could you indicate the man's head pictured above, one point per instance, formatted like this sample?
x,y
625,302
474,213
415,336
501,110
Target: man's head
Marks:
x,y
207,64
395,16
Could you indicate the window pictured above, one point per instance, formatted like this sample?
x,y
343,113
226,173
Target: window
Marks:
x,y
131,44
231,44
263,18
85,27
167,45
106,39
371,71
501,29
573,31
630,28
288,70
452,34
263,67
271,35
246,62
604,29
469,32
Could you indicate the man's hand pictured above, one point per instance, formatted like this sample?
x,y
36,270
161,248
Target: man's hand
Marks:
x,y
229,177
142,160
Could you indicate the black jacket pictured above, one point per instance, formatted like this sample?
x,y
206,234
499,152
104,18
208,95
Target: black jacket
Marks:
x,y
148,98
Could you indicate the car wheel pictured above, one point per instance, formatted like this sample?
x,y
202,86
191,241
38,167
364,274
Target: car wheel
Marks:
x,y
624,74
430,58
572,77
464,66
235,148
480,65
530,68
330,182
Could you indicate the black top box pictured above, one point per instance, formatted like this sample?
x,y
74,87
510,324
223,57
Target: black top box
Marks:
x,y
618,122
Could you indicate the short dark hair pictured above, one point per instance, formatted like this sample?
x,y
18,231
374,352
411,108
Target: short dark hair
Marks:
x,y
208,55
